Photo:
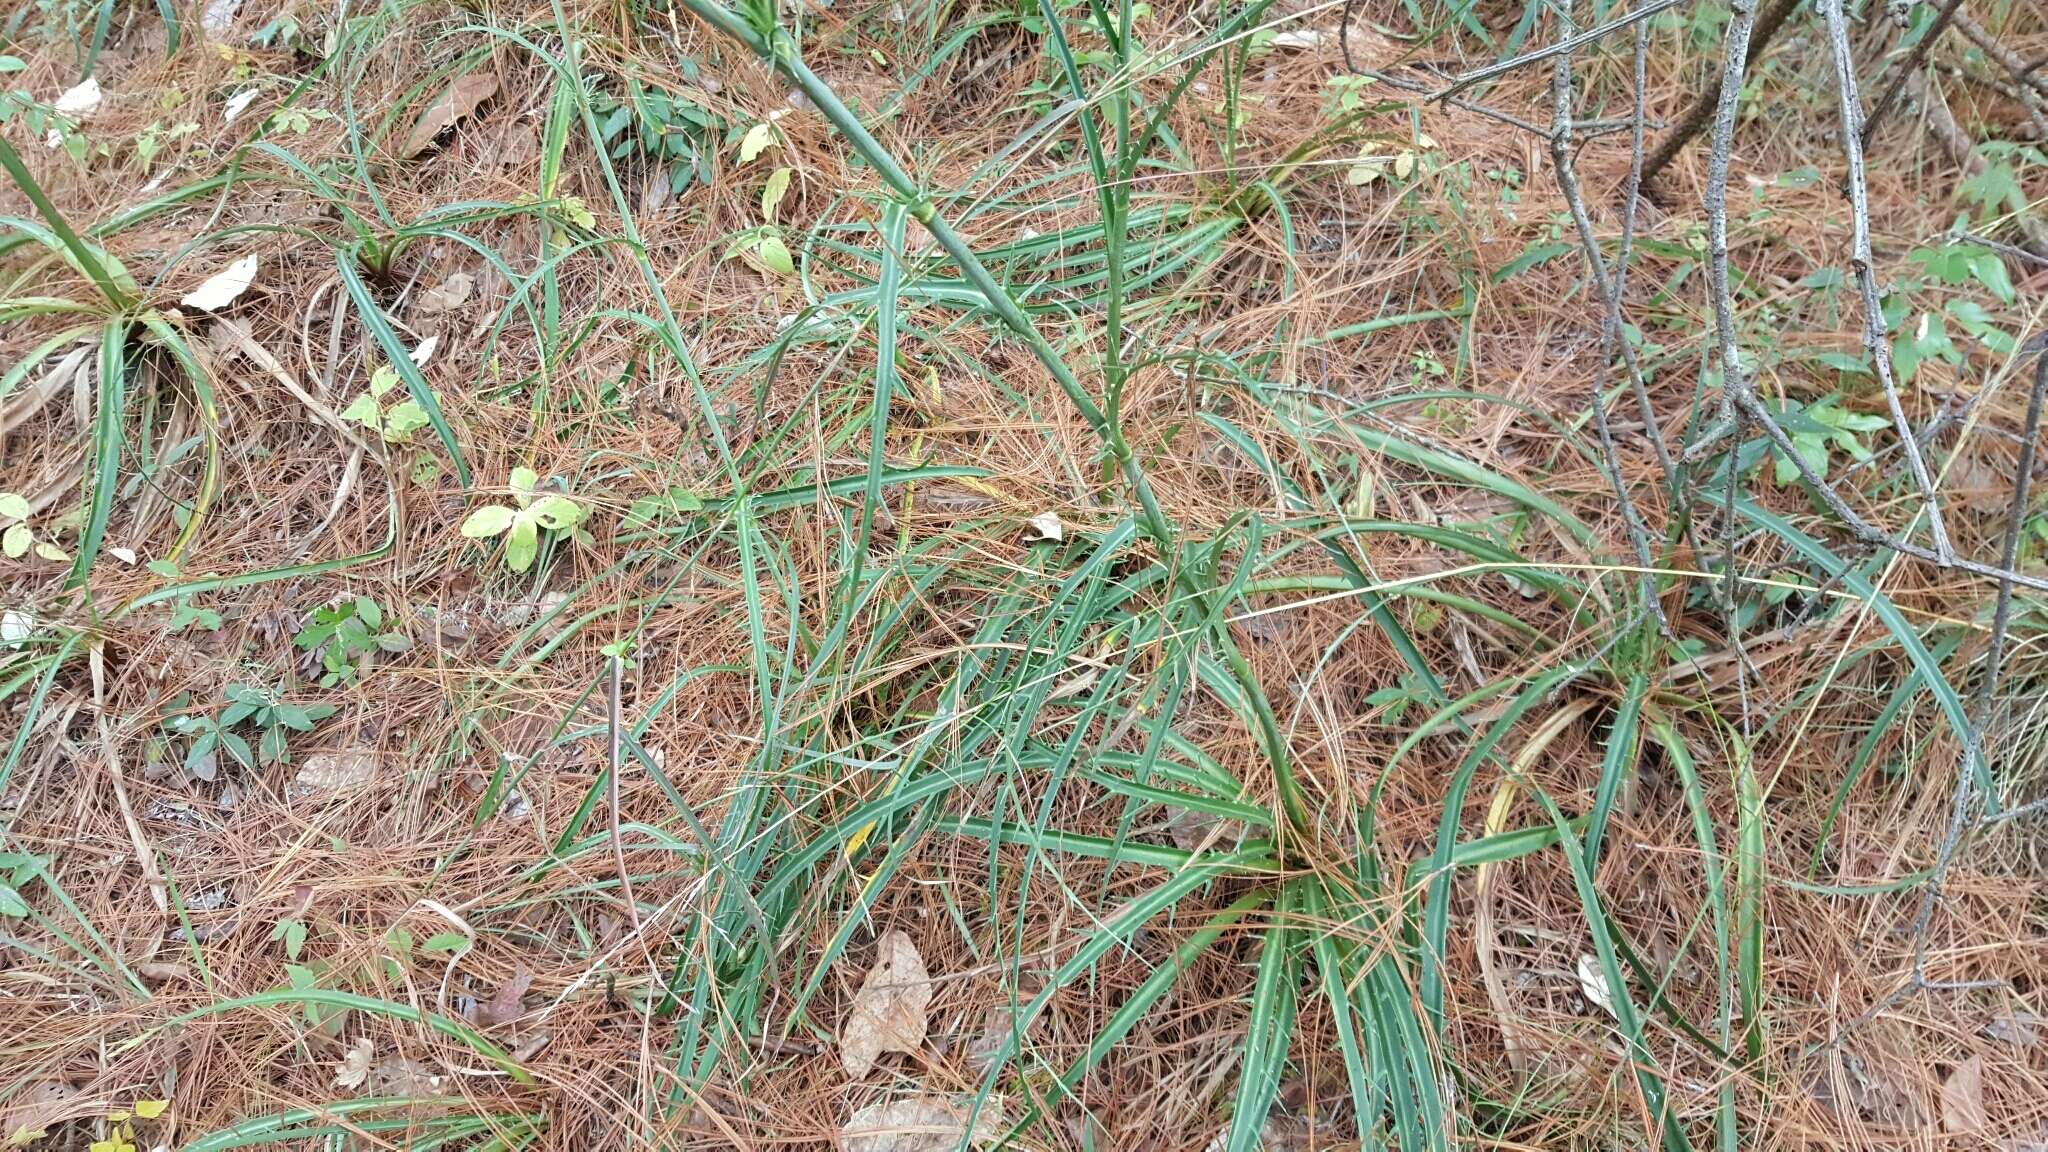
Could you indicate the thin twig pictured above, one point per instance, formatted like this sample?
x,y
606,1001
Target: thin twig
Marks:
x,y
1757,33
1610,312
1906,67
615,763
1570,43
1875,339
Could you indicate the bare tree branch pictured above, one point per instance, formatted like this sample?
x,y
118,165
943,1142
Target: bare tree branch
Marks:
x,y
1875,339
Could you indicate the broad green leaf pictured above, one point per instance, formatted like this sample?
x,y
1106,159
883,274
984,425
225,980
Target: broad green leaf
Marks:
x,y
758,139
11,903
772,193
522,544
15,541
13,506
383,380
557,512
404,419
775,255
363,410
523,479
487,522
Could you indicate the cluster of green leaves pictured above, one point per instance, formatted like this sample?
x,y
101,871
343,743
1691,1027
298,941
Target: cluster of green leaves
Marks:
x,y
344,635
16,870
394,423
522,521
666,128
17,539
247,708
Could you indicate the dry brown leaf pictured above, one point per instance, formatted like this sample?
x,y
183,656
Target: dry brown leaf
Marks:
x,y
354,1069
337,771
457,102
1962,1098
2019,1029
888,1013
1046,526
38,1108
397,1076
451,294
505,1006
922,1124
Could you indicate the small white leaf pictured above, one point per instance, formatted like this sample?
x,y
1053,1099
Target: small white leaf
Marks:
x,y
124,555
1404,165
1593,984
238,104
81,100
425,352
15,626
354,1068
1046,526
222,288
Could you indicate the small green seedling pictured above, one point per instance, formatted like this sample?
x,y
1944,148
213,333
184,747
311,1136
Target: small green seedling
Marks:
x,y
16,540
248,706
393,425
344,634
520,524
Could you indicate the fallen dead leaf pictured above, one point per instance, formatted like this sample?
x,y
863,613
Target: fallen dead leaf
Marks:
x,y
888,1013
337,771
158,972
504,1006
354,1069
397,1076
922,1124
1962,1098
217,19
449,295
39,1107
1298,39
223,287
238,104
2019,1029
1593,984
461,98
1046,526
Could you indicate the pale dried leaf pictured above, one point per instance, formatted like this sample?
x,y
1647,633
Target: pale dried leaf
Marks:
x,y
397,1076
888,1013
1962,1098
923,1124
1046,526
354,1069
456,103
337,771
39,1107
1593,984
223,287
2019,1029
504,1007
218,17
237,104
80,100
425,352
1297,38
449,295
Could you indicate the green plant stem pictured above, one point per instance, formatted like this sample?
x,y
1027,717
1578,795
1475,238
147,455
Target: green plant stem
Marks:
x,y
778,49
87,262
